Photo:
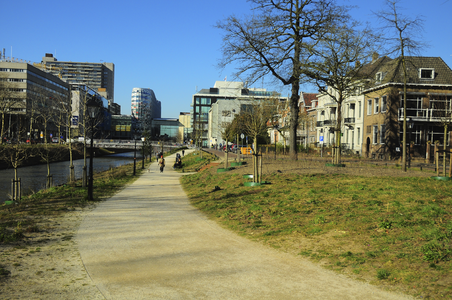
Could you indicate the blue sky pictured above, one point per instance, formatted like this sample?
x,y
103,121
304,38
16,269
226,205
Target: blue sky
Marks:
x,y
171,47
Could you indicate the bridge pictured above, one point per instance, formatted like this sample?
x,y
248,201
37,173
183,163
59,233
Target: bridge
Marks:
x,y
130,144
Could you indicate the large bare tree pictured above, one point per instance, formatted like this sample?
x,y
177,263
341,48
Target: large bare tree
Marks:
x,y
402,35
337,68
276,40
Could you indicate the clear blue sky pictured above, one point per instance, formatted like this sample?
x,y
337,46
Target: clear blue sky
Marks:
x,y
170,47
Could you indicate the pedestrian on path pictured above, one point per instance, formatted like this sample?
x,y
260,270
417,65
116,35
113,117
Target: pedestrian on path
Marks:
x,y
161,163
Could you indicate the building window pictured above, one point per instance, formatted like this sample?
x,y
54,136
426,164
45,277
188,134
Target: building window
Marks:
x,y
359,109
382,134
375,134
359,135
427,73
378,77
383,104
377,102
369,107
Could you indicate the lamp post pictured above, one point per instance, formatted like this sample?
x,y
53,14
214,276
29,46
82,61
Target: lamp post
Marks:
x,y
135,153
93,110
143,139
410,123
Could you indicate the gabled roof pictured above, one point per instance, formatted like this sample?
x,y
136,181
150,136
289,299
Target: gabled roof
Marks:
x,y
392,71
308,97
369,70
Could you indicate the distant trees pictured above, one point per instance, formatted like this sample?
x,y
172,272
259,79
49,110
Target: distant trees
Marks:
x,y
277,40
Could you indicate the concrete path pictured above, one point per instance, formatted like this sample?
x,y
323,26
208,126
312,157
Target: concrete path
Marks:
x,y
148,242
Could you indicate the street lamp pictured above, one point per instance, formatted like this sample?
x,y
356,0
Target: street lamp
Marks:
x,y
410,123
135,152
93,110
143,139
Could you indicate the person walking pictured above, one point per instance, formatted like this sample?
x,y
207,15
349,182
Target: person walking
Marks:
x,y
183,153
161,163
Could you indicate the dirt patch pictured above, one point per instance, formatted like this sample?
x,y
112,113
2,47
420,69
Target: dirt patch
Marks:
x,y
47,264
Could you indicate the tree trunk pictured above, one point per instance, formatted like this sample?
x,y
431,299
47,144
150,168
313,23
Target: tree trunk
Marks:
x,y
294,119
3,128
339,130
226,155
256,166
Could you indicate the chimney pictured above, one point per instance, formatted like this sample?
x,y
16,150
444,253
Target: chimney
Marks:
x,y
374,57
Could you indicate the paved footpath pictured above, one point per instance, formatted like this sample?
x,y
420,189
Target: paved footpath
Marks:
x,y
148,242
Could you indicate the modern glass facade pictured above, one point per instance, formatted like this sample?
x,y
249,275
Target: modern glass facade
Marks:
x,y
145,106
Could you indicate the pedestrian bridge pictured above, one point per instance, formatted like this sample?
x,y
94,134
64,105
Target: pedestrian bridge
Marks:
x,y
128,144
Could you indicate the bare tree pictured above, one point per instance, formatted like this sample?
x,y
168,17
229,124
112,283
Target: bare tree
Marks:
x,y
15,155
401,38
256,124
228,135
277,40
47,110
9,100
197,135
337,68
64,121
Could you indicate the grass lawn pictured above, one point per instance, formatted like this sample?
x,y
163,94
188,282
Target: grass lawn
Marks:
x,y
390,231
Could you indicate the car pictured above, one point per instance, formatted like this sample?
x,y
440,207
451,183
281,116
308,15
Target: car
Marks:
x,y
55,140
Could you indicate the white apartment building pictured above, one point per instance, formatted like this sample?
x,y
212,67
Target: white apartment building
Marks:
x,y
351,125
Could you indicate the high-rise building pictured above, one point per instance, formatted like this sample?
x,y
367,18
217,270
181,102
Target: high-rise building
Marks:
x,y
145,106
98,76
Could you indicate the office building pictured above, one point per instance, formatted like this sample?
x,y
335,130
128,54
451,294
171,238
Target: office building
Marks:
x,y
98,76
26,94
222,90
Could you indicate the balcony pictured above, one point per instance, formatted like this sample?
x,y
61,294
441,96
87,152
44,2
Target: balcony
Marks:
x,y
319,124
349,120
329,122
425,114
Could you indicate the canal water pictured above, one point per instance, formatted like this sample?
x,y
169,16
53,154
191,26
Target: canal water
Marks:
x,y
33,178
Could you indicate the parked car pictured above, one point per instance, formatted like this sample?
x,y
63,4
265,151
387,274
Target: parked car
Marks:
x,y
55,140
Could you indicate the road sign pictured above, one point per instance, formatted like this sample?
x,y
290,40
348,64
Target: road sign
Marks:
x,y
242,136
321,139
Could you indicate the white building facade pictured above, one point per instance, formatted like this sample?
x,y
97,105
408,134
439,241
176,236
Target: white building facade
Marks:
x,y
351,125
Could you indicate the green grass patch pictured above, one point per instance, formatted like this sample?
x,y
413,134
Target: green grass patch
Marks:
x,y
370,227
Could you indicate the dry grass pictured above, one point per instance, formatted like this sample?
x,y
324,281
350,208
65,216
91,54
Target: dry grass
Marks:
x,y
392,231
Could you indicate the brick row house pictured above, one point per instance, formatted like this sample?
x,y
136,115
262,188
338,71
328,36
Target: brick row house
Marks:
x,y
373,118
429,97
